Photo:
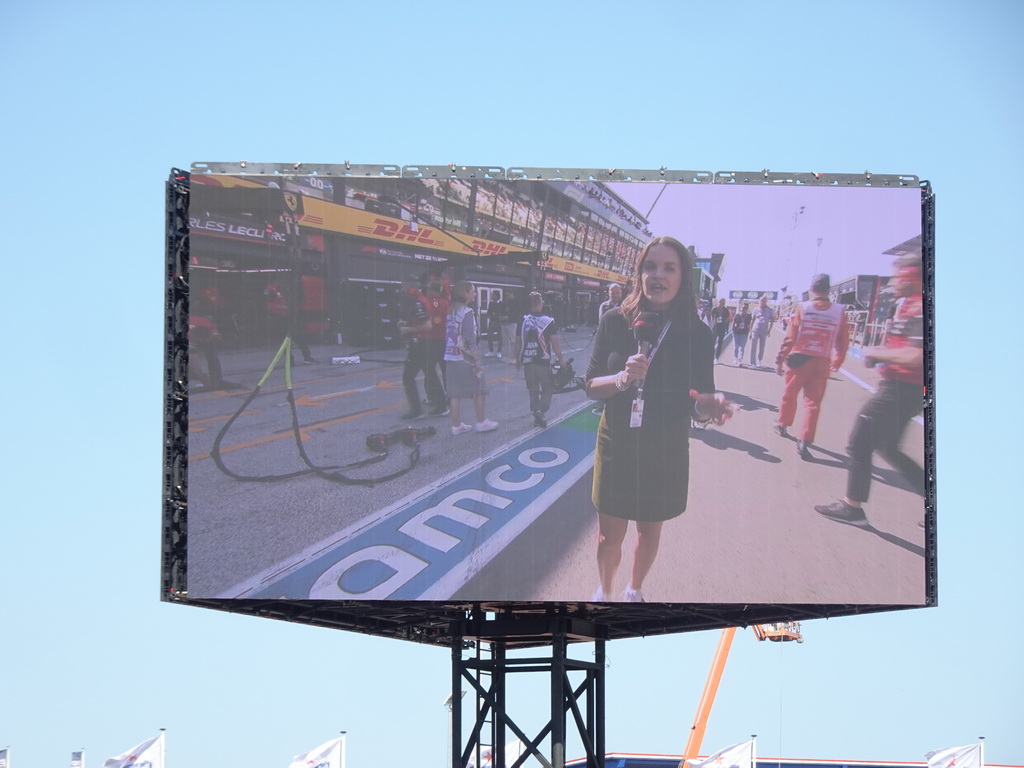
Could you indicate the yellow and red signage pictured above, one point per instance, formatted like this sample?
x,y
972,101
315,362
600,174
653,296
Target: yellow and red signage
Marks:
x,y
332,217
569,267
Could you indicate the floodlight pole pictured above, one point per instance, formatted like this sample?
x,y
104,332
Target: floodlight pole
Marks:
x,y
487,673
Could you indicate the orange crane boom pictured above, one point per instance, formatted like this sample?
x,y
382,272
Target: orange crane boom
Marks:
x,y
707,699
780,632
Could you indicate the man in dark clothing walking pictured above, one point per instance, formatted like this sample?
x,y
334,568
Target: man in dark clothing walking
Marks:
x,y
536,339
720,319
423,329
899,398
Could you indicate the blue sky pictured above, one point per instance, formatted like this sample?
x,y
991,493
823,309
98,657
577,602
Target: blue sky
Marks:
x,y
102,99
765,248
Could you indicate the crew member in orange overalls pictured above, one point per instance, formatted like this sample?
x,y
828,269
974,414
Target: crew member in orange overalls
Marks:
x,y
814,347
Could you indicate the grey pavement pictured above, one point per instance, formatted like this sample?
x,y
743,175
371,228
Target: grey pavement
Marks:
x,y
750,533
238,528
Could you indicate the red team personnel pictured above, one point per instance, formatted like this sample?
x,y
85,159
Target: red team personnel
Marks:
x,y
900,397
814,347
424,330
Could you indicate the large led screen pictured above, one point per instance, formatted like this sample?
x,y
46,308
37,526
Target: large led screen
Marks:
x,y
376,409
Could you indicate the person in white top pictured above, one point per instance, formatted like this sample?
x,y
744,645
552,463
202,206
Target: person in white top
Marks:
x,y
462,362
764,319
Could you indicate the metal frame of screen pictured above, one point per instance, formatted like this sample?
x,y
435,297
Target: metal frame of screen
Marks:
x,y
520,623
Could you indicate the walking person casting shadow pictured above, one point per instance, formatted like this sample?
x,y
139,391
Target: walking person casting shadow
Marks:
x,y
653,365
462,358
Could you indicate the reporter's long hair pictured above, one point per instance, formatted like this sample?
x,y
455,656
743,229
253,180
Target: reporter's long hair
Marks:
x,y
683,308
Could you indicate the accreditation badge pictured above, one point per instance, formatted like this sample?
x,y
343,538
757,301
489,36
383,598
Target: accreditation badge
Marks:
x,y
636,414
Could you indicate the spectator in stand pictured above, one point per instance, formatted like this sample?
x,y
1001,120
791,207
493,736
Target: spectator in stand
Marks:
x,y
814,348
764,319
462,360
880,425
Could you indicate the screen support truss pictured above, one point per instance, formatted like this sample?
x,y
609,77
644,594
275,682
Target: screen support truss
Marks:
x,y
577,688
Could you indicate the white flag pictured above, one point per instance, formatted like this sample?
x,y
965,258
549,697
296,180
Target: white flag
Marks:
x,y
736,756
955,757
513,751
327,755
148,754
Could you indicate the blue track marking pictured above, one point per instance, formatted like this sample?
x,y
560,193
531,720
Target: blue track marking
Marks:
x,y
430,548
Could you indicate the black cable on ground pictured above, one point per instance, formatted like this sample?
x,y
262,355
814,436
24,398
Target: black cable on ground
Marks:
x,y
331,473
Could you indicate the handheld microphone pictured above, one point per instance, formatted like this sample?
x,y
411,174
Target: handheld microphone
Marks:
x,y
646,330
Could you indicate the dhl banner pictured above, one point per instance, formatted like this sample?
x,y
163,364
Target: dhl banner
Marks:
x,y
331,217
569,267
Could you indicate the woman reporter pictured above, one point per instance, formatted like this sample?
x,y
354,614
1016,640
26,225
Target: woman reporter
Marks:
x,y
641,469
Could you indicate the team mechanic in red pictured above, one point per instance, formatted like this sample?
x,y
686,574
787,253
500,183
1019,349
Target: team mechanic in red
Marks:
x,y
424,329
817,329
882,421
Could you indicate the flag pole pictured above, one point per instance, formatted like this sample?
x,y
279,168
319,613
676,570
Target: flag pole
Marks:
x,y
163,748
753,750
981,745
343,749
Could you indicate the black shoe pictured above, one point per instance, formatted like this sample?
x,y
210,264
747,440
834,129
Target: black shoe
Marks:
x,y
413,413
842,512
801,450
779,429
539,420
